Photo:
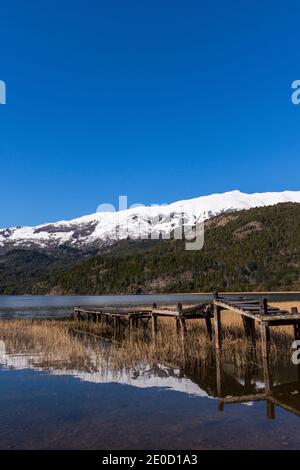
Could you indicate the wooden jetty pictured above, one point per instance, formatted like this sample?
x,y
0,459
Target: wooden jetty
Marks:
x,y
255,311
284,395
117,317
252,312
144,316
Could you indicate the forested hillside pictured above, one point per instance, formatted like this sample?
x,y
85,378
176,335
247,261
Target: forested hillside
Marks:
x,y
258,249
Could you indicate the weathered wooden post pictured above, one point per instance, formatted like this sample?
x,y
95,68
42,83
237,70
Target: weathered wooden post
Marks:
x,y
154,322
263,306
265,344
217,321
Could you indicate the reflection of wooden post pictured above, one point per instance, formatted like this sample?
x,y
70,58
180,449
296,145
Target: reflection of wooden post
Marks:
x,y
270,410
265,345
219,372
219,379
218,327
154,323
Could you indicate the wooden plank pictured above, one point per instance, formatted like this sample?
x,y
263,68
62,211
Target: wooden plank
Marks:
x,y
233,309
194,308
165,312
244,398
115,310
287,316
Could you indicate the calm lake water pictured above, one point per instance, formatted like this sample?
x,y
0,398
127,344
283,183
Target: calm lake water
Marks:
x,y
65,406
157,407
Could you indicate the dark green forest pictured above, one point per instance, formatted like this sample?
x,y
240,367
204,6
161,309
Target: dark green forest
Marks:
x,y
257,249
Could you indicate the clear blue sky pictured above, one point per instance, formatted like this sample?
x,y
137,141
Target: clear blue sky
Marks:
x,y
159,100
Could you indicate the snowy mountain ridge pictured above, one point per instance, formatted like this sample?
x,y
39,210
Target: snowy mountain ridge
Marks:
x,y
104,228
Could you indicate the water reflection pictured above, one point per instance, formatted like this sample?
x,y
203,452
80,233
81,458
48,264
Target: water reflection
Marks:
x,y
279,386
222,382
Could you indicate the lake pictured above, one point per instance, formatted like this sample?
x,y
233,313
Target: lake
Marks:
x,y
158,407
65,404
31,306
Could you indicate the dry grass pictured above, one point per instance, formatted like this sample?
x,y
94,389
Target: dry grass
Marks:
x,y
59,345
197,347
48,341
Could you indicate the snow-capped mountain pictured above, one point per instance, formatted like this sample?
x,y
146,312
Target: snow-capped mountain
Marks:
x,y
104,228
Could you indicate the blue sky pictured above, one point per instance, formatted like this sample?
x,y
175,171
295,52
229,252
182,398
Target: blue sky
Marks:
x,y
160,101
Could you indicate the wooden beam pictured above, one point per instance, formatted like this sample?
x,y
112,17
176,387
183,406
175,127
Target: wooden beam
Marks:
x,y
245,398
225,306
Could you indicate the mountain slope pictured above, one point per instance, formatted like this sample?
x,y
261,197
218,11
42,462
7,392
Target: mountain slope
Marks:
x,y
19,269
255,249
102,229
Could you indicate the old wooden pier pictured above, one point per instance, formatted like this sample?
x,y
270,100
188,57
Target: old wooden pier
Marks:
x,y
253,312
145,316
